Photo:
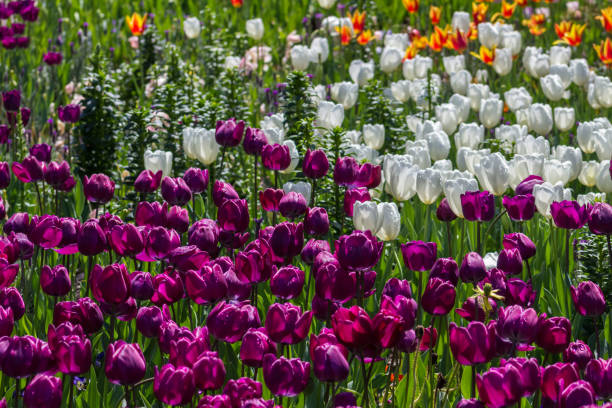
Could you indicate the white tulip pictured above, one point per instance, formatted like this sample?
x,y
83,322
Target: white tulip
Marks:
x,y
563,72
374,135
462,103
512,40
295,158
399,41
469,135
255,28
390,222
361,72
362,153
301,187
400,177
523,166
453,64
326,4
448,117
552,87
517,98
390,60
539,118
300,57
580,71
545,194
535,62
493,173
330,115
476,93
461,21
345,93
428,185
490,112
460,81
413,122
158,160
191,27
531,145
319,50
560,55
555,171
439,145
591,98
453,189
569,154
591,198
586,133
443,165
200,144
510,133
426,127
417,67
353,137
604,181
502,64
589,173
602,139
467,159
365,216
401,90
482,76
603,91
419,156
488,35
564,118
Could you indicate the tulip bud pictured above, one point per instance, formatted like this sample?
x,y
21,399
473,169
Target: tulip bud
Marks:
x,y
255,344
125,363
579,353
438,297
99,188
175,191
43,391
315,164
56,281
174,386
588,299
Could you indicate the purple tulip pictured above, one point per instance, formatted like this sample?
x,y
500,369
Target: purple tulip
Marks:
x,y
287,282
175,191
470,403
335,284
270,199
160,242
5,175
472,268
315,165
11,100
230,321
147,181
56,174
151,214
207,285
600,219
577,394
73,354
208,371
69,113
286,324
444,212
173,386
474,344
55,281
7,321
229,133
98,188
579,353
205,235
275,157
518,325
353,195
568,214
168,287
526,247
478,205
530,373
223,191
43,391
126,240
526,186
402,307
215,401
178,219
292,205
445,269
285,377
395,287
354,328
555,377
439,297
359,251
554,333
255,345
233,216
598,372
419,255
316,221
588,299
519,292
29,170
499,387
346,171
125,363
196,179
42,152
520,207
329,357
52,58
84,312
149,320
254,141
242,389
91,239
510,261
110,284
472,310
287,239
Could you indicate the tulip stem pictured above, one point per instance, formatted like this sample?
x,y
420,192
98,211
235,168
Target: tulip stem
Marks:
x,y
16,403
89,268
567,252
449,248
71,395
414,378
111,333
254,210
473,395
478,241
595,322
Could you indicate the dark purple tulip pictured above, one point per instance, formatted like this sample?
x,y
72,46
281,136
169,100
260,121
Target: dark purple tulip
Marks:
x,y
151,214
242,389
275,157
43,391
69,113
209,371
287,282
369,176
10,298
160,242
315,164
173,386
287,239
11,100
578,352
554,333
395,287
178,219
599,373
84,312
56,174
215,401
254,264
568,214
6,321
196,179
52,58
520,207
229,133
110,284
472,310
254,141
530,373
230,321
91,239
526,247
18,222
419,255
510,261
207,285
255,345
22,42
474,344
4,134
205,235
322,309
345,399
55,281
186,346
588,299
8,272
556,377
42,152
46,231
9,43
352,195
519,325
444,212
445,269
270,199
286,324
500,386
470,403
316,221
285,377
72,354
439,297
478,205
402,307
358,251
526,186
98,188
354,328
29,170
125,363
577,394
472,268
149,320
233,215
126,240
600,219
292,205
223,191
168,288
147,181
5,175
312,248
519,292
346,171
175,191
329,357
24,356
407,342
186,258
335,284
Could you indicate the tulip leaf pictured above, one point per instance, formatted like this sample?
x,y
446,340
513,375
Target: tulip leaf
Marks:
x,y
144,399
92,392
466,381
79,198
552,303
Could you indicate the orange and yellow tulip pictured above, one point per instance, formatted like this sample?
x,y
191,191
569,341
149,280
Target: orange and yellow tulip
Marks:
x,y
479,12
345,34
411,52
536,24
237,3
571,37
458,41
606,18
562,28
434,14
365,37
437,39
507,9
604,51
412,6
136,23
485,55
358,20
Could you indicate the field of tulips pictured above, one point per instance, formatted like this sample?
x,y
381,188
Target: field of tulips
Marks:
x,y
305,203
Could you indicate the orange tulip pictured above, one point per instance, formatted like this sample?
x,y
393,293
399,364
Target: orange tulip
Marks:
x,y
536,24
521,3
434,14
562,28
411,52
507,9
237,3
358,20
345,34
458,41
136,23
573,37
473,33
606,18
437,39
485,55
479,12
604,51
412,6
365,37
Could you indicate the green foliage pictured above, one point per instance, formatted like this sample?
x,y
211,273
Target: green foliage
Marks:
x,y
299,110
97,132
232,95
593,261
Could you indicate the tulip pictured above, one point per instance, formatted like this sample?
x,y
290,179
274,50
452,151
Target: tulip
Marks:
x,y
11,100
564,118
365,216
229,322
374,136
287,239
545,194
335,284
7,321
56,281
149,320
454,189
554,378
478,206
242,389
233,215
286,324
255,29
568,214
353,196
215,401
300,57
205,235
43,391
520,207
329,115
502,63
460,81
345,93
540,118
209,371
554,334
292,205
315,164
316,221
598,372
328,357
110,284
472,268
191,27
158,160
519,325
276,157
600,219
525,246
500,386
579,353
73,354
207,285
285,377
270,199
353,327
175,191
510,261
358,251
390,59
588,299
255,344
91,239
577,394
552,87
287,282
361,72
319,50
125,363
198,144
147,181
229,133
98,188
439,297
474,344
419,255
173,386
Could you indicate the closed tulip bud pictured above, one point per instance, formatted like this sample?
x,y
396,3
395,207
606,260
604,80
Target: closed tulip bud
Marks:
x,y
518,325
315,164
502,63
160,242
205,235
5,175
588,299
564,118
520,207
125,363
196,179
91,239
352,196
600,219
429,185
174,386
552,87
520,241
255,345
554,333
292,205
11,100
474,344
229,322
554,375
276,157
329,115
55,281
287,282
6,321
540,118
445,269
329,357
374,136
73,354
175,191
207,285
444,212
43,391
439,297
300,57
419,255
510,261
285,377
110,284
389,220
191,27
287,239
149,321
255,28
233,215
346,171
577,394
98,188
473,268
229,133
178,219
254,141
198,144
358,251
568,214
158,161
579,353
316,221
478,205
460,81
209,371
